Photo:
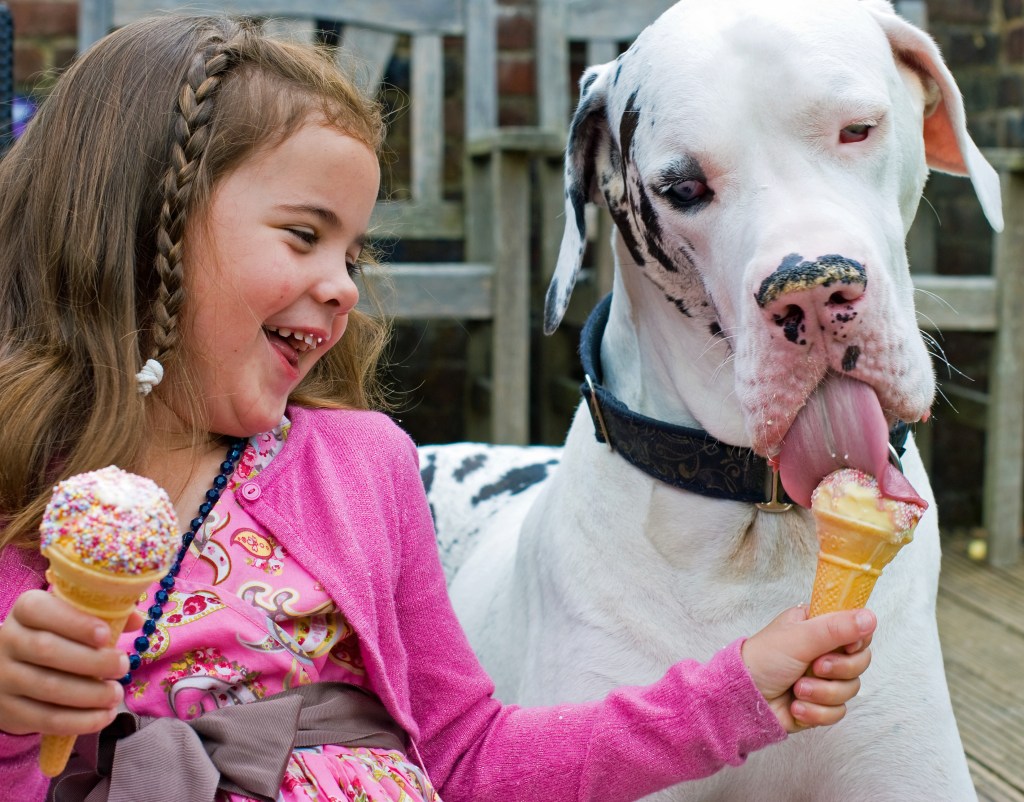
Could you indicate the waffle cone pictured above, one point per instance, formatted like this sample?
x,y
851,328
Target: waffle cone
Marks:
x,y
851,559
111,597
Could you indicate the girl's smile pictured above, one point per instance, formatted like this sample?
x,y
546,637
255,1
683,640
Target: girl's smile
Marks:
x,y
269,271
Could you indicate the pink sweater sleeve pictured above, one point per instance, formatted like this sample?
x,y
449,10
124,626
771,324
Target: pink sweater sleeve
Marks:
x,y
697,719
20,570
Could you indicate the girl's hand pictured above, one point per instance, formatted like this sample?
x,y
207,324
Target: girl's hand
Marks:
x,y
57,675
834,646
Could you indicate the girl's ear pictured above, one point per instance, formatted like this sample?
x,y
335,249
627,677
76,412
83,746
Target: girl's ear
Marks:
x,y
588,131
948,146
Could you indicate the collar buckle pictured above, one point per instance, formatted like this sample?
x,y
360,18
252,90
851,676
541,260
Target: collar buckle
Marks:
x,y
595,412
773,504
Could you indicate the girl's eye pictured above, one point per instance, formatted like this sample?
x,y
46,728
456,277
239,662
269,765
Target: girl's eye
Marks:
x,y
857,132
354,268
304,234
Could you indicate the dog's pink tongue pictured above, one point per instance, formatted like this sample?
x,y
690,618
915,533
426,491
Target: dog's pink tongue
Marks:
x,y
840,426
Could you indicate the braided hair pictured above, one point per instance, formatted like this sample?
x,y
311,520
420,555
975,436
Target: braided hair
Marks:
x,y
97,199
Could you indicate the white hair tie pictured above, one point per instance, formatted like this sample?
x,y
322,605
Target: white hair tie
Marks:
x,y
150,376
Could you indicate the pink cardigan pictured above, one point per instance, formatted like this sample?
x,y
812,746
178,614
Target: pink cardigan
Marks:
x,y
345,499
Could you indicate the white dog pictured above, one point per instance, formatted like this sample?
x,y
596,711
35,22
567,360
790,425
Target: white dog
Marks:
x,y
762,160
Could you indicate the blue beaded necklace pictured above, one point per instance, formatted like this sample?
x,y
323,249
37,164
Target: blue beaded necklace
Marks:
x,y
160,598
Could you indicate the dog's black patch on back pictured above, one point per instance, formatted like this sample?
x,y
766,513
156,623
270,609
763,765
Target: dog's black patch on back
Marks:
x,y
428,471
470,464
850,358
515,481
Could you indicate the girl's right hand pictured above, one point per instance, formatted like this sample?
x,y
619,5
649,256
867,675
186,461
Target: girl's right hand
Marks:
x,y
57,675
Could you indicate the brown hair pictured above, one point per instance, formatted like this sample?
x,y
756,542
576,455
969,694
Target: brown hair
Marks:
x,y
95,200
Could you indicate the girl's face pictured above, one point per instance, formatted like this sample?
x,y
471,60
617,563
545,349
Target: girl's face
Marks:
x,y
269,272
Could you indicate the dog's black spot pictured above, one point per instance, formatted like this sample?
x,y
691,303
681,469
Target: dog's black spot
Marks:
x,y
679,304
428,471
850,358
618,72
515,481
620,216
627,128
652,230
576,196
792,323
469,464
588,81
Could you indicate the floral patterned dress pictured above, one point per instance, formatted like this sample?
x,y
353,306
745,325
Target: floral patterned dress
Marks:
x,y
244,622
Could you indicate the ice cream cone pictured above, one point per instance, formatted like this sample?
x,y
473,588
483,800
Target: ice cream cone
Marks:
x,y
850,561
108,535
107,596
859,533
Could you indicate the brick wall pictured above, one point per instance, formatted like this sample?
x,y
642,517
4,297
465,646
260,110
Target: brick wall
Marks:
x,y
45,40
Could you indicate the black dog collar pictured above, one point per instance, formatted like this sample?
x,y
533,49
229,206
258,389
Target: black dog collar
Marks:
x,y
687,458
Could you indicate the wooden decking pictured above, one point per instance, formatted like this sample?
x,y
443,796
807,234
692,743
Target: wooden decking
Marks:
x,y
981,623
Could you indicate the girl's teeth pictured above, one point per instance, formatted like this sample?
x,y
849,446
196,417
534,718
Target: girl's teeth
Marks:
x,y
285,332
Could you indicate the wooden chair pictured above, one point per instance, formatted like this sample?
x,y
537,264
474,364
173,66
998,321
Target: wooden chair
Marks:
x,y
985,303
487,282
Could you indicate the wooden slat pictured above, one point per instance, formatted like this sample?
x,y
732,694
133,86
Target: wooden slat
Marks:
x,y
427,104
1003,501
989,591
366,52
955,303
423,291
411,220
593,19
395,15
990,786
983,672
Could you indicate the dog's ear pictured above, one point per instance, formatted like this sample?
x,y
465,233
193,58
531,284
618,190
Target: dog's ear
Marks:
x,y
948,146
587,132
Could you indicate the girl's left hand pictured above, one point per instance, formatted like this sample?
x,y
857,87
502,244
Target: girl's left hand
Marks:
x,y
835,649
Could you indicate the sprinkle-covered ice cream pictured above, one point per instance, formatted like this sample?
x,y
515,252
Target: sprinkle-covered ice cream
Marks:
x,y
112,521
851,493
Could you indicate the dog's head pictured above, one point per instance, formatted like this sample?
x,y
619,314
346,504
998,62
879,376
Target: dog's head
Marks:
x,y
762,162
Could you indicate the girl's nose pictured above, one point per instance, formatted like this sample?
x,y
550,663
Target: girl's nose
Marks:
x,y
336,287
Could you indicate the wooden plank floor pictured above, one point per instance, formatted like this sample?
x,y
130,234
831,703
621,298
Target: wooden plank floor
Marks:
x,y
981,624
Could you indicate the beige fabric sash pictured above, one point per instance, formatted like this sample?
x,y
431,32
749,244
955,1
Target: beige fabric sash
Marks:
x,y
242,749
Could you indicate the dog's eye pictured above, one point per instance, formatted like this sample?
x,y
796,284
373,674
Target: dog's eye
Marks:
x,y
857,132
687,192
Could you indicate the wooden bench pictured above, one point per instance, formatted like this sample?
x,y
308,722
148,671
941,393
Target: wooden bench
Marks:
x,y
487,222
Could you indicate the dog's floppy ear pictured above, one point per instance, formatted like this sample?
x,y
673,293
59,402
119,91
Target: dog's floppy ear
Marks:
x,y
948,146
587,132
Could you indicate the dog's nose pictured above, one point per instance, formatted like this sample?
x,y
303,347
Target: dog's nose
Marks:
x,y
823,293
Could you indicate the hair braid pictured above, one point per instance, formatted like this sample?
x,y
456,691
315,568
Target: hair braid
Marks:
x,y
189,142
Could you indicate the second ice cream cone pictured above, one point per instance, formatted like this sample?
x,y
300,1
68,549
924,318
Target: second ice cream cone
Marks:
x,y
851,559
859,533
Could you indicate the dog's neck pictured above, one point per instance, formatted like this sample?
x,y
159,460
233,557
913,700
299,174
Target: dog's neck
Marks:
x,y
666,365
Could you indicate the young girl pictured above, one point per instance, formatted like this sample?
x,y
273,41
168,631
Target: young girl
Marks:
x,y
179,230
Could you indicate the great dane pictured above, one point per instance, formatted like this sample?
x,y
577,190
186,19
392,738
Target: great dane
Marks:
x,y
762,161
